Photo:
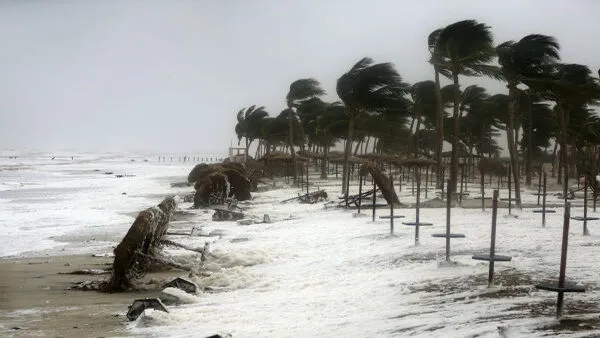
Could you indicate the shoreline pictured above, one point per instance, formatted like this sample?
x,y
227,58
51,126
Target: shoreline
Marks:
x,y
35,301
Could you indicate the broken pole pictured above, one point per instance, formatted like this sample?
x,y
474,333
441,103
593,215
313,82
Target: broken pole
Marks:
x,y
563,261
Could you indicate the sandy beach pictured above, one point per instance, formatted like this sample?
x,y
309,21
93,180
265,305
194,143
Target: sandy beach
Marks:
x,y
40,285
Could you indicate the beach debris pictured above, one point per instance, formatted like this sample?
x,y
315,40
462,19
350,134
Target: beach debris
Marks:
x,y
139,243
140,305
174,296
247,221
182,284
86,272
227,215
220,336
214,183
266,218
312,198
183,246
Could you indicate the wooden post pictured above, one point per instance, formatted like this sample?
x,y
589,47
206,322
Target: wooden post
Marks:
x,y
493,241
360,182
563,260
448,207
585,193
544,204
374,195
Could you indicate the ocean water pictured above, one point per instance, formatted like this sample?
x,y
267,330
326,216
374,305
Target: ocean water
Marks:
x,y
312,271
64,205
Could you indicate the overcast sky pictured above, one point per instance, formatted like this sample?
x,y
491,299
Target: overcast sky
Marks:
x,y
171,75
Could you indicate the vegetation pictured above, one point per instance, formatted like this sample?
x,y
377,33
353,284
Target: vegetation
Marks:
x,y
547,113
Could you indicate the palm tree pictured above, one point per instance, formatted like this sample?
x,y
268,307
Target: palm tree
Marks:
x,y
526,61
331,126
368,87
424,101
249,124
300,90
571,87
436,60
463,48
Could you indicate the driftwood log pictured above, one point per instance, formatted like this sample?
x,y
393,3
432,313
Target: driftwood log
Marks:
x,y
143,238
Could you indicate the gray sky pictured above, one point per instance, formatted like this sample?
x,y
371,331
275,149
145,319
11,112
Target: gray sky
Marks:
x,y
171,75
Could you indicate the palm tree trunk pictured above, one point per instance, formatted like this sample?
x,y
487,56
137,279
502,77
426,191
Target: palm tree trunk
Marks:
x,y
347,150
417,135
367,144
439,126
324,161
528,160
412,138
512,147
247,148
291,142
356,148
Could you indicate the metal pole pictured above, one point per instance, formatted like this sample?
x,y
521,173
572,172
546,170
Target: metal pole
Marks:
x,y
374,194
426,180
585,193
540,185
418,205
544,203
509,189
462,176
448,207
563,260
360,182
391,207
307,179
482,191
493,241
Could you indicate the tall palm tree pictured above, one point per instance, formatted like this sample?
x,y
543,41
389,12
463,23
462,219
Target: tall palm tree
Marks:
x,y
436,60
463,48
249,124
572,86
368,87
424,101
332,125
527,61
300,90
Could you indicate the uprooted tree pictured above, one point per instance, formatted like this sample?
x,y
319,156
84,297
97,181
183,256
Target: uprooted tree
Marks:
x,y
215,183
141,242
383,182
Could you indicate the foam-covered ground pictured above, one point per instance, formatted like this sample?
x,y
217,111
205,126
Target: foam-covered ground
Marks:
x,y
316,271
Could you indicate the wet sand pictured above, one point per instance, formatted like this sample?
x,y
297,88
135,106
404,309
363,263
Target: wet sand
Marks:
x,y
34,300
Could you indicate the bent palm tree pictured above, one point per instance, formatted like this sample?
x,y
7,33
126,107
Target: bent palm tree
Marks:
x,y
527,61
368,87
300,90
249,124
463,48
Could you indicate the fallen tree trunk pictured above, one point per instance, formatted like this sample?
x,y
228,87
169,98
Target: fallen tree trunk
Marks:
x,y
384,184
143,236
